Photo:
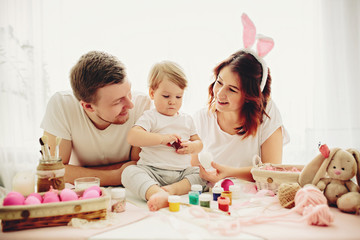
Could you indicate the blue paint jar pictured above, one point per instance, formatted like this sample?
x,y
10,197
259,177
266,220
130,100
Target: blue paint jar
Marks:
x,y
216,191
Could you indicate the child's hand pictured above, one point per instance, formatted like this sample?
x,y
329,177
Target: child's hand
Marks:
x,y
168,139
187,147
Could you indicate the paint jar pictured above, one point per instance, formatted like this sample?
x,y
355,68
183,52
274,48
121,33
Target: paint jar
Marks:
x,y
196,187
216,191
194,197
174,203
236,191
50,173
223,203
205,200
118,200
227,194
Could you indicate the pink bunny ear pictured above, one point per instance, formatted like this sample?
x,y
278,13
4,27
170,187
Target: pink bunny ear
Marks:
x,y
264,45
249,32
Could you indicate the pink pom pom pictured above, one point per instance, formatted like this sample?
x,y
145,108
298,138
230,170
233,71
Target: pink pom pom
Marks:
x,y
319,215
68,195
14,198
308,195
32,200
91,194
226,183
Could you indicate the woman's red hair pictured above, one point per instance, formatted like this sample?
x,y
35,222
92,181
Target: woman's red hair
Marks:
x,y
250,72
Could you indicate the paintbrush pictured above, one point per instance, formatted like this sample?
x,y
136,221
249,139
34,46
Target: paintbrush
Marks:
x,y
207,209
44,139
58,140
42,149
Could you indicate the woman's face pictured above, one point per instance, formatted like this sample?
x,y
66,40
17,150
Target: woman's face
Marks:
x,y
227,94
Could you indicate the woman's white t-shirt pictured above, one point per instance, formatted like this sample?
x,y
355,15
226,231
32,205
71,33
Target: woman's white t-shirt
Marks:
x,y
233,150
66,118
162,156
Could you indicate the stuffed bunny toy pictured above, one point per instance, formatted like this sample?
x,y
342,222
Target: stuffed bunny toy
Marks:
x,y
349,202
332,173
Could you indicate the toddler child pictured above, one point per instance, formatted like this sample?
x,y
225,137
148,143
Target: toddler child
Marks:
x,y
167,137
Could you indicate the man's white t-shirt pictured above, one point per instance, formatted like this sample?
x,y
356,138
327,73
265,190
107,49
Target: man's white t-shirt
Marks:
x,y
233,150
66,118
162,156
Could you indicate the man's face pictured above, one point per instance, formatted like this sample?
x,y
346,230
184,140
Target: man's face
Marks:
x,y
113,103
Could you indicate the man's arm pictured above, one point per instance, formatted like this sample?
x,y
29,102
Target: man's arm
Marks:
x,y
109,175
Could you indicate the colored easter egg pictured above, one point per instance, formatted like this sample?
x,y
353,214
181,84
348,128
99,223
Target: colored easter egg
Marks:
x,y
31,200
97,188
226,183
37,195
91,194
68,195
49,193
14,198
51,198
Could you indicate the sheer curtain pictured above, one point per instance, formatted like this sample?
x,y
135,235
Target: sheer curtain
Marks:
x,y
314,64
23,86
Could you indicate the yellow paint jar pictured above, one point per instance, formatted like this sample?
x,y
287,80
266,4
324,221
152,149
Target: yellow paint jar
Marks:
x,y
174,203
227,194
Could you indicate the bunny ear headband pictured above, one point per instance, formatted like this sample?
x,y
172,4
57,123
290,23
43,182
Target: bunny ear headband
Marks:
x,y
263,46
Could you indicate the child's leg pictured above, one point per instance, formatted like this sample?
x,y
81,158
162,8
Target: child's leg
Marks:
x,y
157,198
178,188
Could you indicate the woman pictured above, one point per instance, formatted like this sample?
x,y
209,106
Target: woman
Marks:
x,y
241,121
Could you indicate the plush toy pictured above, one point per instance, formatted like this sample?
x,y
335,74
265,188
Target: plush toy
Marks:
x,y
331,171
349,202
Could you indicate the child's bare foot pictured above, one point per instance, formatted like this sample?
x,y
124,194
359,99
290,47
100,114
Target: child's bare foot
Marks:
x,y
158,200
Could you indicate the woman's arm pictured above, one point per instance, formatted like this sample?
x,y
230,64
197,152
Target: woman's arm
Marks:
x,y
271,151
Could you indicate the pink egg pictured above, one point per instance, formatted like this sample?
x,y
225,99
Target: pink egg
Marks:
x,y
91,194
31,200
226,183
49,193
68,195
51,198
14,198
97,188
37,195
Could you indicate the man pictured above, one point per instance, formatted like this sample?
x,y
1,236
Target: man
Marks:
x,y
93,122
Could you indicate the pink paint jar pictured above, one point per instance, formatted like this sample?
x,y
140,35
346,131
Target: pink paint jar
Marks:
x,y
223,203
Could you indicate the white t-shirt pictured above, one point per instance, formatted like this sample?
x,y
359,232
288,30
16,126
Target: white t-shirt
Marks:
x,y
66,118
162,156
232,150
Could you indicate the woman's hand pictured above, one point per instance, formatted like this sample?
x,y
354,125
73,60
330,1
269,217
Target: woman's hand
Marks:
x,y
220,172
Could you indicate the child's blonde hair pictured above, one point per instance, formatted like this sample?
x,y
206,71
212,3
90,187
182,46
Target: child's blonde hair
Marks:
x,y
167,69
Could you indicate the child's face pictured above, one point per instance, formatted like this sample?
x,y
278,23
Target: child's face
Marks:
x,y
167,97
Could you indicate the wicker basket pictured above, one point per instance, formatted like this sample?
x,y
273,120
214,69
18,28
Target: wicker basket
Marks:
x,y
271,179
53,214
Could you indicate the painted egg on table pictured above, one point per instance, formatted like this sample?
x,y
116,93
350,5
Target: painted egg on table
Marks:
x,y
97,188
68,195
14,198
91,194
37,195
31,200
49,193
226,183
51,198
